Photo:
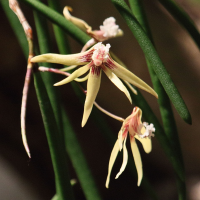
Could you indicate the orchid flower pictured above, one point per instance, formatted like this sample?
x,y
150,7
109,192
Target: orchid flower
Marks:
x,y
108,30
142,132
95,60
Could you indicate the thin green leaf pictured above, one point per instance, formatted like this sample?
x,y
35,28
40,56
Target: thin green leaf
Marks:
x,y
164,103
61,37
48,78
154,60
183,18
58,157
54,96
79,162
58,19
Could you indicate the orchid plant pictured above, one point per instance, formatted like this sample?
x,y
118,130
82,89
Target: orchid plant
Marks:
x,y
95,57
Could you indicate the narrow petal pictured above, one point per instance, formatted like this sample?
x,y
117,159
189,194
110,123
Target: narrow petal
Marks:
x,y
131,87
111,161
75,74
82,79
125,160
120,140
93,86
146,143
68,68
117,82
76,21
126,75
72,59
137,159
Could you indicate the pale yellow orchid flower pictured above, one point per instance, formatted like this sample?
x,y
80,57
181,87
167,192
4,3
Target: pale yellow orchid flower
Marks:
x,y
142,132
108,30
95,60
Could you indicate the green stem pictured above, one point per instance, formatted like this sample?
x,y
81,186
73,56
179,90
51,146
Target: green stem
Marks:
x,y
152,56
183,18
63,188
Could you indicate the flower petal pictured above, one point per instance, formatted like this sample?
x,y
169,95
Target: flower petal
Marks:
x,y
125,160
117,82
111,161
146,143
126,75
74,75
93,86
137,159
82,79
68,68
76,21
72,59
131,87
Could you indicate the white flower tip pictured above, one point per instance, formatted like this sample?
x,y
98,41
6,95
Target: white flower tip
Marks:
x,y
117,176
107,184
100,54
139,182
57,84
84,120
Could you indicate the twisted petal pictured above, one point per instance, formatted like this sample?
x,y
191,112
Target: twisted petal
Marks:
x,y
137,159
111,161
93,86
146,143
73,59
126,75
125,160
76,21
117,82
74,75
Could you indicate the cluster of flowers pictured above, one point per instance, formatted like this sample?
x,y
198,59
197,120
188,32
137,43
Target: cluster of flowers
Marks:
x,y
95,60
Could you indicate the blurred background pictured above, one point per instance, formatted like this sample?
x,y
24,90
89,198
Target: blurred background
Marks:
x,y
21,178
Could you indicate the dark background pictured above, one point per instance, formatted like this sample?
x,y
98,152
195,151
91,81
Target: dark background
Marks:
x,y
21,178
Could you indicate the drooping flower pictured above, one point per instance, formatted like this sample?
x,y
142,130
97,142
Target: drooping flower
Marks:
x,y
137,130
108,30
95,59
